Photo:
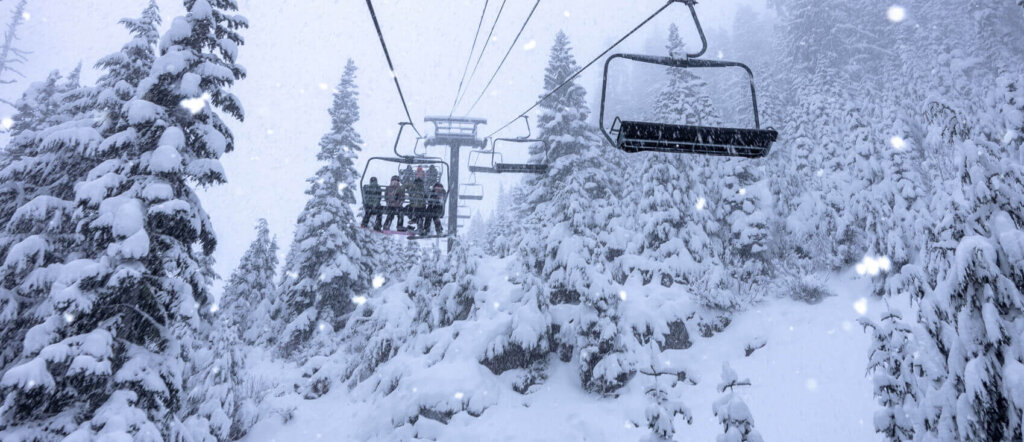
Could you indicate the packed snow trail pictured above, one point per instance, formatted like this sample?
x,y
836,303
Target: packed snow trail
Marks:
x,y
809,384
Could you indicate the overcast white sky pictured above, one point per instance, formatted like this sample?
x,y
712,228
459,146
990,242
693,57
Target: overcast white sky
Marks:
x,y
295,51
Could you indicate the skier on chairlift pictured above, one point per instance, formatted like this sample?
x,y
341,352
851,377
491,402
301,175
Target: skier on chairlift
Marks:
x,y
371,204
433,176
406,176
435,209
422,176
417,204
394,197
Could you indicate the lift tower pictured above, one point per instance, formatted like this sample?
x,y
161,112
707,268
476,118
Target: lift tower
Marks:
x,y
454,132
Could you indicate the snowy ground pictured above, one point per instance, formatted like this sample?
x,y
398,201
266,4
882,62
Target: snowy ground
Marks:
x,y
809,384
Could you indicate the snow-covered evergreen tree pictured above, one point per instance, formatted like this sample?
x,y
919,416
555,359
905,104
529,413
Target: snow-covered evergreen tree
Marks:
x,y
732,412
217,406
891,362
248,303
662,409
443,287
561,252
666,193
326,267
104,358
12,57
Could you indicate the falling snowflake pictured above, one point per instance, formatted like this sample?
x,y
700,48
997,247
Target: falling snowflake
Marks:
x,y
529,46
622,295
820,172
25,15
629,424
701,202
359,300
7,123
69,318
861,306
897,142
342,187
811,384
270,131
896,13
292,275
872,266
214,308
720,55
458,395
322,326
566,13
323,86
31,384
497,305
378,281
216,370
743,191
195,105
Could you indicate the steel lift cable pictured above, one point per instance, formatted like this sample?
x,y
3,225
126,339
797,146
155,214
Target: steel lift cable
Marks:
x,y
391,65
487,43
469,59
590,63
512,46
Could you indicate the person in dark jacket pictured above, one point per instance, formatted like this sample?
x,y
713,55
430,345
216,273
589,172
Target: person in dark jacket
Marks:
x,y
435,209
433,175
394,197
417,203
371,204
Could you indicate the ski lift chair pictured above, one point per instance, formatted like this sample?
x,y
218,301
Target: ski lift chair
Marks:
x,y
500,166
471,192
480,163
640,136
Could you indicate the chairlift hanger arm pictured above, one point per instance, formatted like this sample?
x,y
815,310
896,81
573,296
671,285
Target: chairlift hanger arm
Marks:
x,y
700,30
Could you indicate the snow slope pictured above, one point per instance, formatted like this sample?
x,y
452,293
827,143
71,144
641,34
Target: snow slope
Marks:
x,y
808,384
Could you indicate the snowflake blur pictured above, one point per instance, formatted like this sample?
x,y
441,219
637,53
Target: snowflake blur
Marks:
x,y
196,105
873,265
896,13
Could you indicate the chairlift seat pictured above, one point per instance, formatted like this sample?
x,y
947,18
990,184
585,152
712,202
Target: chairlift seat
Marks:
x,y
539,169
638,136
463,216
482,169
471,197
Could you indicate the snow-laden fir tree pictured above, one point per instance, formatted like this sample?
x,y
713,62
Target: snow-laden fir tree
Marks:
x,y
892,366
732,412
326,267
219,405
104,358
666,193
443,286
42,172
662,409
248,302
12,57
973,316
561,255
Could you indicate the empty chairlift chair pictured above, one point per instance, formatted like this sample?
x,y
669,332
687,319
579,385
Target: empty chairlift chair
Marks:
x,y
471,192
482,161
501,166
640,136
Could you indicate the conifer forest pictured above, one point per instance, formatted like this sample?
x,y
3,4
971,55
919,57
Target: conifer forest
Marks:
x,y
511,220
